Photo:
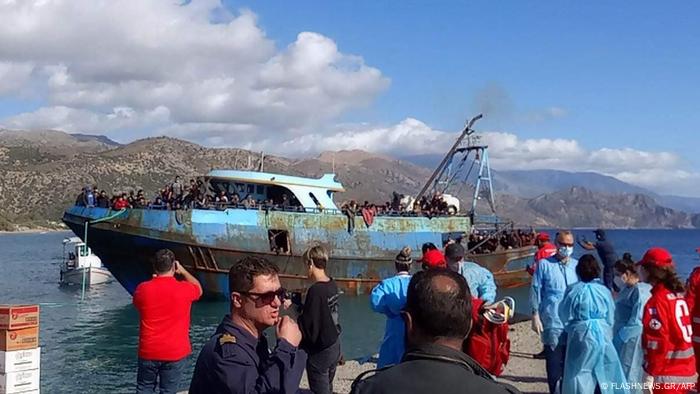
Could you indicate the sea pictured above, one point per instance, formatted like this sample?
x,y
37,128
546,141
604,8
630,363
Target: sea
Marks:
x,y
89,343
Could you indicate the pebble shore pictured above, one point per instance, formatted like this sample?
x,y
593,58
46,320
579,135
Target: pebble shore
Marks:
x,y
522,371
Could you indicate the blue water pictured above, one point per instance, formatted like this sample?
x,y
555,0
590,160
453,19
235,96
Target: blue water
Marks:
x,y
90,346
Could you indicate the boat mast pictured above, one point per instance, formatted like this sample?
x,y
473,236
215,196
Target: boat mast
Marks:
x,y
441,168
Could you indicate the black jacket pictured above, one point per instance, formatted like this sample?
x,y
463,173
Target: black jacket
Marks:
x,y
431,369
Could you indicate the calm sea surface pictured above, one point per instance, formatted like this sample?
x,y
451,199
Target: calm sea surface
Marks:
x,y
90,346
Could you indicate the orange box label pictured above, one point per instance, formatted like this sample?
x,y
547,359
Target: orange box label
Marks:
x,y
13,317
25,338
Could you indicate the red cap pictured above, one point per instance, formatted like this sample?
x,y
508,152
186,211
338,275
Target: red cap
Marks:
x,y
542,237
697,250
658,257
434,259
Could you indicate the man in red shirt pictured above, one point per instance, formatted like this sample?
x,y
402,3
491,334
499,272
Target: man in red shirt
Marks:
x,y
164,305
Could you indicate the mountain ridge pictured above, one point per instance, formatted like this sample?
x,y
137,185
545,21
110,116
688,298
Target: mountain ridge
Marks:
x,y
38,181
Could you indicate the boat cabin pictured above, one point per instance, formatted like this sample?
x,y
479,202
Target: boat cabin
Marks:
x,y
296,193
77,255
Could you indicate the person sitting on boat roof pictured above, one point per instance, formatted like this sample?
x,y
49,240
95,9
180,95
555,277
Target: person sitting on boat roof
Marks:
x,y
389,298
480,280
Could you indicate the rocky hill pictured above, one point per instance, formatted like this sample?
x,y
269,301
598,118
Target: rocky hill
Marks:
x,y
42,172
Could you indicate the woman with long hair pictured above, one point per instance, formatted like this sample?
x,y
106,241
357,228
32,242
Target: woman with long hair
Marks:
x,y
627,331
669,360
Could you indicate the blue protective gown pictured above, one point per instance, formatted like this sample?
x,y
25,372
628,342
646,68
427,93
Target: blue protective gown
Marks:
x,y
480,281
389,298
546,292
588,313
627,331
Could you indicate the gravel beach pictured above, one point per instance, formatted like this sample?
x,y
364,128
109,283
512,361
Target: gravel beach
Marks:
x,y
522,371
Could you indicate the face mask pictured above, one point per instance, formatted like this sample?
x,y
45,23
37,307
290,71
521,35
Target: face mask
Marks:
x,y
566,251
619,282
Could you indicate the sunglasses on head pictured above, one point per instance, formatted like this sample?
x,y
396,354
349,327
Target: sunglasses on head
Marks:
x,y
268,297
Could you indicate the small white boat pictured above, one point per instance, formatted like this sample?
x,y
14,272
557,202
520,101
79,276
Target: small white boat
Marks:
x,y
79,262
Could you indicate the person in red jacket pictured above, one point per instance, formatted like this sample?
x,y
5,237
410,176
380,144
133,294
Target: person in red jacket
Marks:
x,y
692,292
669,360
545,250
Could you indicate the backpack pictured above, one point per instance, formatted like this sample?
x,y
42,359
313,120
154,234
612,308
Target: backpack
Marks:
x,y
487,342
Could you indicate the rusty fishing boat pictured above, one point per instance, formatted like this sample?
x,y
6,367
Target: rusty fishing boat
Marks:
x,y
209,241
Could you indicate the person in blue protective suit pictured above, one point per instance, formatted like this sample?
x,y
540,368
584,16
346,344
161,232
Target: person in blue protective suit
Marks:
x,y
627,331
588,313
479,279
607,254
389,298
549,283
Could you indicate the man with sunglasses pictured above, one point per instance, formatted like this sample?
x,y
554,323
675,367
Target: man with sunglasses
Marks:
x,y
237,358
552,277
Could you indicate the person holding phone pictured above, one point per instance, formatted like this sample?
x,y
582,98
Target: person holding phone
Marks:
x,y
164,305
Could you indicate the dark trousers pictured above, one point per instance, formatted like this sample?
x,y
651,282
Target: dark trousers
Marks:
x,y
320,369
554,363
162,374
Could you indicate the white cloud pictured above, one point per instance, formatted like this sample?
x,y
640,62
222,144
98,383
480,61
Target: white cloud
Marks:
x,y
86,58
661,172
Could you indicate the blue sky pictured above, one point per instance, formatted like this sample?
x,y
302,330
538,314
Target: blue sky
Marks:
x,y
580,86
626,75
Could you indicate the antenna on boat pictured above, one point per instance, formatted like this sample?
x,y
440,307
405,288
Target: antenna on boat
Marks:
x,y
262,161
333,163
441,168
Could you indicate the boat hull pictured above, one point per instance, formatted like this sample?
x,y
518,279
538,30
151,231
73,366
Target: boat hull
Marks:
x,y
92,275
208,243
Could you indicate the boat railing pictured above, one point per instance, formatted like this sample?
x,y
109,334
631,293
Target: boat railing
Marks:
x,y
217,206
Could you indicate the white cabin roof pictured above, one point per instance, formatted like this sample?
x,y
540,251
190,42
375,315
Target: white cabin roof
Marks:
x,y
326,182
311,193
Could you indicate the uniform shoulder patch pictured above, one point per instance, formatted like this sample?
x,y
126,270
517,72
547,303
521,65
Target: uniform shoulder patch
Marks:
x,y
654,324
226,338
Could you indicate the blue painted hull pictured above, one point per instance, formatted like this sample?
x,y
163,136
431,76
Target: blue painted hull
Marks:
x,y
209,242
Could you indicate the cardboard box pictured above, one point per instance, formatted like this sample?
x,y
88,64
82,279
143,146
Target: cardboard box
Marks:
x,y
20,360
13,317
26,338
19,382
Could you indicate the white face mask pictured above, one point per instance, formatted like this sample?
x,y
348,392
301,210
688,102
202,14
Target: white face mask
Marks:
x,y
619,282
566,251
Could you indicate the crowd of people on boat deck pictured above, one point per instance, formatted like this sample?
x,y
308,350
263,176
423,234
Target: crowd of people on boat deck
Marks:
x,y
179,195
482,241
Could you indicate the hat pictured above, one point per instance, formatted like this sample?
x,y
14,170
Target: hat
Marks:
x,y
658,257
543,237
434,259
404,257
454,252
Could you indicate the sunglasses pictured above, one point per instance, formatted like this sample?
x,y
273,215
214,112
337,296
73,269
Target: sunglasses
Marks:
x,y
565,244
268,297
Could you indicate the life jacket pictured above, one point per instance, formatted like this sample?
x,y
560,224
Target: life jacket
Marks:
x,y
487,342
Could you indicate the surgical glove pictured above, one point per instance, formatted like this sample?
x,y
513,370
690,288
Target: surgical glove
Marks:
x,y
537,324
648,384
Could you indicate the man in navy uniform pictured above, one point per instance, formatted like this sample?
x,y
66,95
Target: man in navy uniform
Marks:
x,y
237,358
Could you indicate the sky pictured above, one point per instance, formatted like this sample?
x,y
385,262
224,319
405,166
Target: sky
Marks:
x,y
578,86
